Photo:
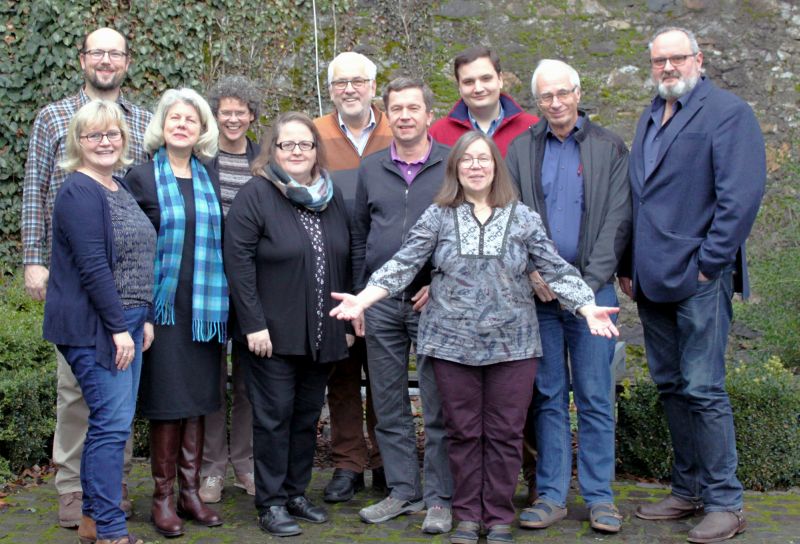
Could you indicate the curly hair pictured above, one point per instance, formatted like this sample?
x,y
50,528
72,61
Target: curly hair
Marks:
x,y
239,87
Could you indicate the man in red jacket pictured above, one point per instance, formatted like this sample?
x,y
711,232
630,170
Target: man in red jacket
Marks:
x,y
483,106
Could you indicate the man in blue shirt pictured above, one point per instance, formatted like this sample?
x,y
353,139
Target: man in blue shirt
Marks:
x,y
575,175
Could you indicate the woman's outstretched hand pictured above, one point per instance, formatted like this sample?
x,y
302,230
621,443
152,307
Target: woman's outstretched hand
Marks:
x,y
349,307
598,318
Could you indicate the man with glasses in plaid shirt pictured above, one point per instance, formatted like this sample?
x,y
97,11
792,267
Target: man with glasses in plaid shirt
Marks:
x,y
105,59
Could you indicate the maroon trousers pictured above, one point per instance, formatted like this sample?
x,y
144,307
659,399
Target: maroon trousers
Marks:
x,y
348,446
484,414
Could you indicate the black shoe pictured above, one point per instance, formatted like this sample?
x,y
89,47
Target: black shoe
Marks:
x,y
301,508
277,522
344,484
379,480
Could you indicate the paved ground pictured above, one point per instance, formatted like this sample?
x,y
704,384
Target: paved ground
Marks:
x,y
31,518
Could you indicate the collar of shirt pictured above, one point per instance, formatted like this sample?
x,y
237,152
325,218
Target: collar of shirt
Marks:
x,y
85,99
409,170
576,128
492,126
359,141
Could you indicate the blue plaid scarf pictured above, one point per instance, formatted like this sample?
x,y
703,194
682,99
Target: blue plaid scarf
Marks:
x,y
209,285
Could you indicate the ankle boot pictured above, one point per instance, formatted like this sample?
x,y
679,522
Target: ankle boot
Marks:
x,y
190,460
164,446
87,530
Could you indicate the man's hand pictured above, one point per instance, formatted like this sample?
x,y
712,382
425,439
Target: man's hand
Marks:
x,y
541,288
702,277
421,298
626,285
36,277
260,343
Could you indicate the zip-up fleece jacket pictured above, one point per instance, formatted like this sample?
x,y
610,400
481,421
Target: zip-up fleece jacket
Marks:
x,y
386,208
448,130
606,220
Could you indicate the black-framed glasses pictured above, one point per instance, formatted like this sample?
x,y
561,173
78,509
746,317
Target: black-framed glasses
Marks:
x,y
357,83
467,162
547,98
304,145
98,54
675,60
97,137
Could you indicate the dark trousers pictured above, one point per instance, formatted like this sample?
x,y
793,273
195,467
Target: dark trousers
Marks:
x,y
286,393
484,414
348,447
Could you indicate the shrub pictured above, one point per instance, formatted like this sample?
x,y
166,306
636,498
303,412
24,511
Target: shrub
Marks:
x,y
21,343
27,414
766,405
27,381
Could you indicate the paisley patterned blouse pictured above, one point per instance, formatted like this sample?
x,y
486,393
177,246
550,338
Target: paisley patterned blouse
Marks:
x,y
481,309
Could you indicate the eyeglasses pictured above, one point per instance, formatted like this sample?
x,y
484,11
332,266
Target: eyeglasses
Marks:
x,y
675,60
98,54
467,162
547,98
305,145
357,83
97,137
234,114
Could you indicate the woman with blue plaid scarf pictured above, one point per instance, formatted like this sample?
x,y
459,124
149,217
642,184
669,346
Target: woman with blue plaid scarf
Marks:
x,y
181,373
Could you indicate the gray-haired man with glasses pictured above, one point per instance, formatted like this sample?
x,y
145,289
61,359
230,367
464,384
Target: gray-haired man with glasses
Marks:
x,y
575,175
354,129
104,58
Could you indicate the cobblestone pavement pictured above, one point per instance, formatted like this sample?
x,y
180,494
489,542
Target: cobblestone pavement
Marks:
x,y
773,518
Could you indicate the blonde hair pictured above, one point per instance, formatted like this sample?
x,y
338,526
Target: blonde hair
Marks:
x,y
101,114
206,146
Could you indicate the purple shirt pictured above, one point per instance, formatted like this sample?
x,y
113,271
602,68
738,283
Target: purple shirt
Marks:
x,y
409,170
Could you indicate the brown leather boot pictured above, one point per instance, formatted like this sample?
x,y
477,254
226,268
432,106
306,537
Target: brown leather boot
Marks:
x,y
190,505
87,530
164,445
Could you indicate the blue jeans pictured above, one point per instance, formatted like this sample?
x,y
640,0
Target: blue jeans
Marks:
x,y
112,402
685,343
590,358
391,326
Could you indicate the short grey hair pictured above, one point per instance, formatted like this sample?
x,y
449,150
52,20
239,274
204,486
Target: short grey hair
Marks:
x,y
370,70
547,64
689,34
239,87
206,146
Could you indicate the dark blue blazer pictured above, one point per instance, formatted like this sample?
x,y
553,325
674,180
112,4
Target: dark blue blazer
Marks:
x,y
694,212
82,307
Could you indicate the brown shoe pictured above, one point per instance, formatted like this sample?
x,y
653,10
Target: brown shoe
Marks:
x,y
70,506
671,507
718,526
125,504
87,530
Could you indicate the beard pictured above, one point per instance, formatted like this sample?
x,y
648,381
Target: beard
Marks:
x,y
114,83
683,86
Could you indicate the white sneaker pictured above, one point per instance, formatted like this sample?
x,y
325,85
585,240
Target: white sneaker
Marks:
x,y
390,508
211,489
438,520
